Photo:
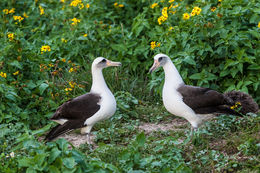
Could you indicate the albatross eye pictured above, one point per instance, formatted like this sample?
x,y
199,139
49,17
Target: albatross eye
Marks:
x,y
160,59
104,60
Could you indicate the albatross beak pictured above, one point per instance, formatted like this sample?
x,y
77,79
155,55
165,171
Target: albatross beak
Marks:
x,y
112,63
156,64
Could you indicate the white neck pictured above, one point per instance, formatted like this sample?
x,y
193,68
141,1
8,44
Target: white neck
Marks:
x,y
172,76
98,82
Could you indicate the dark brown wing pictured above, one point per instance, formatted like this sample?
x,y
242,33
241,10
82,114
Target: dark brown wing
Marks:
x,y
204,100
81,107
76,111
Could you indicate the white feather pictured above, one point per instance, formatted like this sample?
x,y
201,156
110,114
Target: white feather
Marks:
x,y
172,99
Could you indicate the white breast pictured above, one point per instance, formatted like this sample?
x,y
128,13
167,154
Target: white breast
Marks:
x,y
173,102
107,109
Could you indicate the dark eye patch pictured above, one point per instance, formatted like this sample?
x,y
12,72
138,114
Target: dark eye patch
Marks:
x,y
160,58
104,60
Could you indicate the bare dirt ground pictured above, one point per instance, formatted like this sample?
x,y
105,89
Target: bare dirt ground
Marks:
x,y
176,124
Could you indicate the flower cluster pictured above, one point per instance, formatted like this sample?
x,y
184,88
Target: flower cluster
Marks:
x,y
236,105
258,24
45,48
19,18
10,36
195,11
154,5
154,45
41,10
118,5
72,84
77,3
75,21
64,40
164,16
2,74
170,1
6,11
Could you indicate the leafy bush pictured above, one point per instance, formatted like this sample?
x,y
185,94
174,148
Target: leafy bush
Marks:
x,y
46,52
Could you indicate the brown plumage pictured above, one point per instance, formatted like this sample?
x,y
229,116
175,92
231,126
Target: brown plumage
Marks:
x,y
206,101
76,111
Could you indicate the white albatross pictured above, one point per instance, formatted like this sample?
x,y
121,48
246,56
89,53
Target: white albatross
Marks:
x,y
86,110
192,102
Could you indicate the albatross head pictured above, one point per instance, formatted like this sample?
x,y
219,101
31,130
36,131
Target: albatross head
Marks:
x,y
101,63
159,61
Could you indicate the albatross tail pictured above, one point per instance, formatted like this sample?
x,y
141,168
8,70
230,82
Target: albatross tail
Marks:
x,y
246,101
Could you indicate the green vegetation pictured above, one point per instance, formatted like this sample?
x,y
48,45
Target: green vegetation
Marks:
x,y
46,51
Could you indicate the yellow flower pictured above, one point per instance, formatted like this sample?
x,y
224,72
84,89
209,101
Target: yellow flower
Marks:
x,y
68,89
219,0
171,28
186,16
19,18
120,5
75,21
5,11
153,45
197,10
72,84
16,73
64,40
11,11
25,15
51,65
41,10
193,13
158,44
85,35
10,36
2,74
164,12
62,1
115,4
81,6
170,1
71,70
63,60
258,24
213,9
87,5
45,48
154,5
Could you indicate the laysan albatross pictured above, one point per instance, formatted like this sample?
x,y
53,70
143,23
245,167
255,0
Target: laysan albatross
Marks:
x,y
86,110
191,102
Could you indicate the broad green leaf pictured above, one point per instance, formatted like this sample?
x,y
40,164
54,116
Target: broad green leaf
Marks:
x,y
43,87
196,76
55,152
16,64
69,162
140,139
53,169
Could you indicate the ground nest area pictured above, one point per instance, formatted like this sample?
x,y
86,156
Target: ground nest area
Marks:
x,y
77,139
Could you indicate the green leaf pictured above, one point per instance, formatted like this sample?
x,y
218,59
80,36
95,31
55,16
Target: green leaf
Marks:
x,y
53,169
119,47
140,139
43,87
55,152
41,130
69,162
189,60
25,162
16,64
196,76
